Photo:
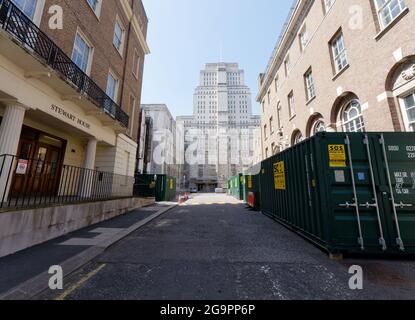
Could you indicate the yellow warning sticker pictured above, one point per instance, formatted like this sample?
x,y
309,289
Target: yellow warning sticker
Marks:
x,y
279,176
171,184
337,156
250,182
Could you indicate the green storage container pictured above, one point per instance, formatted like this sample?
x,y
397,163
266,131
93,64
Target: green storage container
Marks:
x,y
161,187
346,192
252,186
165,188
145,186
235,187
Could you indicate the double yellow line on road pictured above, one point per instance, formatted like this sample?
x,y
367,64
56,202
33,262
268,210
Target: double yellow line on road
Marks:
x,y
77,285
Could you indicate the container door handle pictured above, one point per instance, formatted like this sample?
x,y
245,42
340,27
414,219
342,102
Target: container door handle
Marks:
x,y
382,241
398,229
359,223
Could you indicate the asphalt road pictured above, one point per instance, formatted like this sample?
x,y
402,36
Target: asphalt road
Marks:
x,y
215,248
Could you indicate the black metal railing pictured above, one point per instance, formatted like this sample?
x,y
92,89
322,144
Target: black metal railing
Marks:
x,y
36,183
18,25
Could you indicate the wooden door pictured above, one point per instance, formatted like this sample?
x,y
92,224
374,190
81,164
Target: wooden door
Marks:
x,y
45,170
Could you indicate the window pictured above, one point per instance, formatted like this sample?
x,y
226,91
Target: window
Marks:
x,y
265,132
291,104
81,53
298,138
287,65
269,96
409,103
352,118
339,53
319,126
279,116
27,6
327,5
266,153
271,125
309,83
277,83
118,36
95,6
388,10
303,37
112,86
136,64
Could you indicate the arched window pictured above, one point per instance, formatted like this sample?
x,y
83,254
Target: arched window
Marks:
x,y
298,138
352,118
319,126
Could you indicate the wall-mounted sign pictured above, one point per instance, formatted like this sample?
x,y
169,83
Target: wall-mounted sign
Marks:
x,y
70,117
22,167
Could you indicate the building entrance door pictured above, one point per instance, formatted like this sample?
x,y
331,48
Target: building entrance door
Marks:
x,y
38,166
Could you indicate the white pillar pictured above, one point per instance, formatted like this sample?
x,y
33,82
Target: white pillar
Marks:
x,y
10,131
87,176
91,151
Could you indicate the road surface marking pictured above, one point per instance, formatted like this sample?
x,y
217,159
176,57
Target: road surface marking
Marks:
x,y
76,286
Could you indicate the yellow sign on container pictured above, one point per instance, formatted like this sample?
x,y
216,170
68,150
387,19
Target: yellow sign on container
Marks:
x,y
250,182
337,156
279,176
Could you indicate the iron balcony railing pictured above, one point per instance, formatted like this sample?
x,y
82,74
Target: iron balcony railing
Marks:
x,y
21,28
37,183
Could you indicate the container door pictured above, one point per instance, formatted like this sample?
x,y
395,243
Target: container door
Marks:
x,y
396,159
358,221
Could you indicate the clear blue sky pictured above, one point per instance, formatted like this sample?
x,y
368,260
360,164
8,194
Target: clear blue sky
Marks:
x,y
183,35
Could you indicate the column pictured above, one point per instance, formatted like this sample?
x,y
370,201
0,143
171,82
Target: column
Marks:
x,y
10,131
87,175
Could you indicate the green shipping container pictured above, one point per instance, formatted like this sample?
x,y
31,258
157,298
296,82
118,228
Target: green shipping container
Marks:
x,y
251,187
161,187
346,192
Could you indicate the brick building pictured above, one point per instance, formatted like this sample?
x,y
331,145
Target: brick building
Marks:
x,y
340,65
69,100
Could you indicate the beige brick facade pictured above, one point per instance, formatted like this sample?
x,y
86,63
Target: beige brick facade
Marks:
x,y
378,75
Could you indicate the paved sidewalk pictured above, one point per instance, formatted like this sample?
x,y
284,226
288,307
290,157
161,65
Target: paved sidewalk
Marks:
x,y
23,266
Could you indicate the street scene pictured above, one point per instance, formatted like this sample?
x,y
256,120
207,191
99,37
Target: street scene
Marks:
x,y
193,150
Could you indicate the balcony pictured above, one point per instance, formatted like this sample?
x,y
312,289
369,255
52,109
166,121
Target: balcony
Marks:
x,y
34,41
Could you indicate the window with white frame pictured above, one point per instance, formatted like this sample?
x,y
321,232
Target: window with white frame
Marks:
x,y
328,4
95,6
309,82
118,40
112,86
303,36
352,118
339,52
291,104
82,52
27,6
388,10
298,138
319,126
409,104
